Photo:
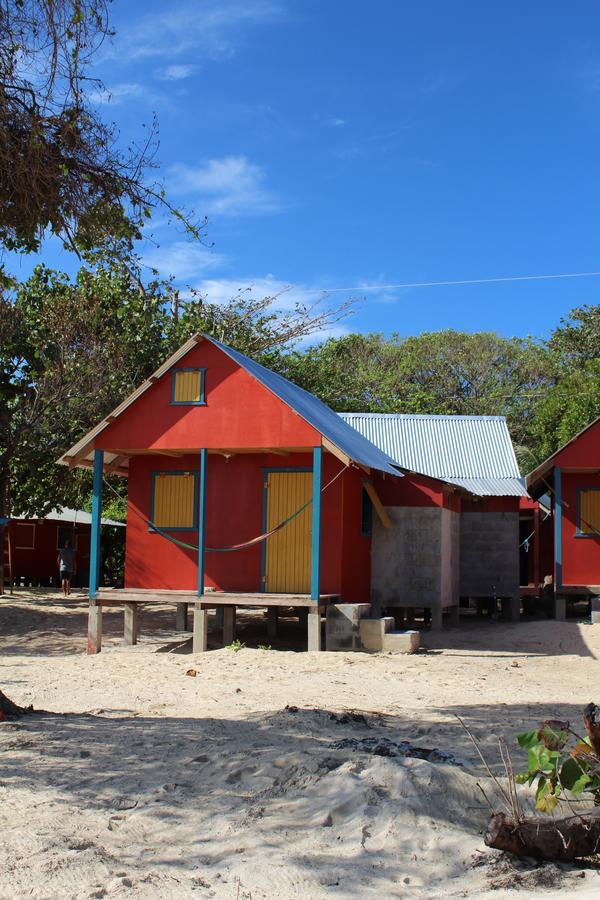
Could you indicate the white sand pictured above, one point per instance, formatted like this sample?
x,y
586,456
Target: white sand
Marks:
x,y
140,781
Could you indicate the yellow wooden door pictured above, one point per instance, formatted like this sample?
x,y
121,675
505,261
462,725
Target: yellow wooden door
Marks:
x,y
288,551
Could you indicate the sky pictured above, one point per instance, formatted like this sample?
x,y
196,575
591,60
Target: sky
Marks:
x,y
342,144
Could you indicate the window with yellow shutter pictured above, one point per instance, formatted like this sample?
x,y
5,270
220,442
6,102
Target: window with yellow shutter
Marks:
x,y
173,504
588,512
188,387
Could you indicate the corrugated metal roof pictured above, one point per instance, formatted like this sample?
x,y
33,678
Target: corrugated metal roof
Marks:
x,y
314,411
473,452
72,516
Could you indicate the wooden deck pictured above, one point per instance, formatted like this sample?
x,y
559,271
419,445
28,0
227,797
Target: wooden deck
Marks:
x,y
225,602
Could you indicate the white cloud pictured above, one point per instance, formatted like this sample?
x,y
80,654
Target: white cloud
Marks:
x,y
176,73
120,93
213,28
183,260
230,186
336,122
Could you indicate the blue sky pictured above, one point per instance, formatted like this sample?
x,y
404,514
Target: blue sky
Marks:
x,y
343,144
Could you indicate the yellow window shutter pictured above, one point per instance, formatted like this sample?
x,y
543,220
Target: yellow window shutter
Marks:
x,y
174,500
188,386
589,512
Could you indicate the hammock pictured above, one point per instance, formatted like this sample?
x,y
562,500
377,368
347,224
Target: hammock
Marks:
x,y
243,546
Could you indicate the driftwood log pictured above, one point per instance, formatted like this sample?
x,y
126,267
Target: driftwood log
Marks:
x,y
10,710
556,839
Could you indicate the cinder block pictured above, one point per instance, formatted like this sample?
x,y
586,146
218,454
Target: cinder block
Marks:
x,y
372,632
342,626
595,610
401,641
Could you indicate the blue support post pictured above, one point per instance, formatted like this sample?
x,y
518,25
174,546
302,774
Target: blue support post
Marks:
x,y
558,527
201,520
96,523
315,579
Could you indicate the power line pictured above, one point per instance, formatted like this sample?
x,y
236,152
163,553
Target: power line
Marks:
x,y
465,281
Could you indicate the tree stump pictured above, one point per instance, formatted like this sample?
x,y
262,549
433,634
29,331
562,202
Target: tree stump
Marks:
x,y
553,839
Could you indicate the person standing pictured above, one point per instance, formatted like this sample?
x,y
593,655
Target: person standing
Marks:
x,y
66,566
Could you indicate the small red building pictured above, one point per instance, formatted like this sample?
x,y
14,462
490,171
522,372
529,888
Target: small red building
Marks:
x,y
31,546
572,477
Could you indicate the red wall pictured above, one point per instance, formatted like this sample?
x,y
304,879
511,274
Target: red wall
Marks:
x,y
412,490
234,514
583,453
239,412
580,555
41,561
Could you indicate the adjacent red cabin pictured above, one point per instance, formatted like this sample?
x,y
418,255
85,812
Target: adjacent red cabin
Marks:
x,y
572,478
31,547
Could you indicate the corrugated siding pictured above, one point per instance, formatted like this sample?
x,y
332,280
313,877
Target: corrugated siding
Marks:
x,y
174,500
589,512
475,452
288,551
188,387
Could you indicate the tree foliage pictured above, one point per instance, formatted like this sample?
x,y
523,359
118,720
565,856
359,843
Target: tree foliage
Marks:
x,y
444,372
61,167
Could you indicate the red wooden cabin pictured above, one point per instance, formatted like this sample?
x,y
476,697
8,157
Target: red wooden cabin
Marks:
x,y
31,547
572,476
219,451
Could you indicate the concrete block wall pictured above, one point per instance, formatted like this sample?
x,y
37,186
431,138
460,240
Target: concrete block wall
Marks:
x,y
489,554
415,563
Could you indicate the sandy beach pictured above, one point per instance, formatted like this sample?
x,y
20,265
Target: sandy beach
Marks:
x,y
269,772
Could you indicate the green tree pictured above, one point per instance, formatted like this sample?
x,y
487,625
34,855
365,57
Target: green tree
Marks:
x,y
444,372
573,402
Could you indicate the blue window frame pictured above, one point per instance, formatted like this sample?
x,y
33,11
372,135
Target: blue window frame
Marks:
x,y
188,387
173,514
588,512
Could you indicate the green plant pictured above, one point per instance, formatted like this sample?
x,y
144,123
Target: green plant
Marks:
x,y
559,762
264,647
236,645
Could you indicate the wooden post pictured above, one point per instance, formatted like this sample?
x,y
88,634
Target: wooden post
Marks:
x,y
537,538
201,520
200,637
315,579
272,621
454,616
130,624
96,524
228,625
437,618
181,617
314,628
94,628
557,529
560,607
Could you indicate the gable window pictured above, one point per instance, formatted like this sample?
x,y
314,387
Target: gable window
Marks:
x,y
66,533
188,387
24,536
588,512
174,500
366,515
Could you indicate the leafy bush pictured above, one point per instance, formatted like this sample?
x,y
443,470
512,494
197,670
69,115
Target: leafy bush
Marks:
x,y
560,763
